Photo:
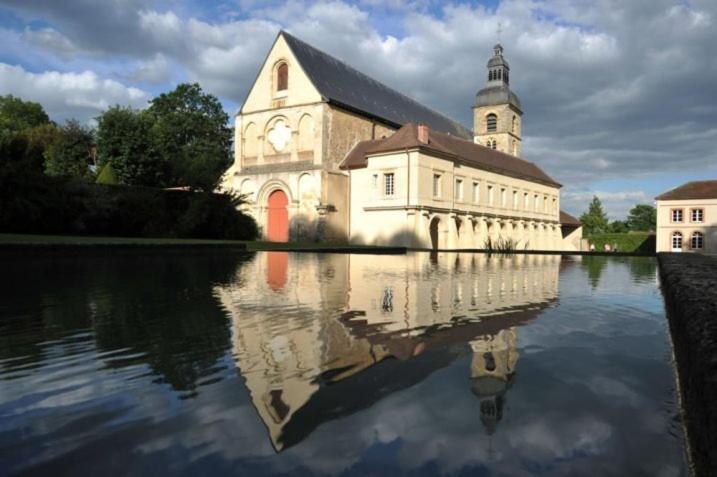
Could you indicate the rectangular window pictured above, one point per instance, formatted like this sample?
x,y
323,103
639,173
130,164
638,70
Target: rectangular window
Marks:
x,y
374,181
459,189
677,215
388,183
476,192
555,205
490,195
436,185
545,204
503,197
515,199
536,206
698,215
526,201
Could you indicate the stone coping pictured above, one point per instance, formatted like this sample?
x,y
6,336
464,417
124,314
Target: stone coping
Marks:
x,y
689,285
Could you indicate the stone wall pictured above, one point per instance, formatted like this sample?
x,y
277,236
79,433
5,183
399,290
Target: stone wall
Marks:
x,y
689,285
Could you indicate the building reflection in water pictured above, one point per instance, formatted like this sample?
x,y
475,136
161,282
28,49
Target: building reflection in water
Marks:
x,y
327,335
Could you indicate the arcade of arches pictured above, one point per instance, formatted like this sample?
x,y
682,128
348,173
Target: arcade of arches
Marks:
x,y
473,231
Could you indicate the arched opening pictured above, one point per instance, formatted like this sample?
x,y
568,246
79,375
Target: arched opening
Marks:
x,y
435,224
697,241
277,229
491,122
677,242
282,77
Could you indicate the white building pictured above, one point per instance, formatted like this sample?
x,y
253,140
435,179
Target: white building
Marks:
x,y
324,152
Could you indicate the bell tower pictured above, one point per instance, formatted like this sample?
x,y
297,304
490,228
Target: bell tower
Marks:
x,y
497,116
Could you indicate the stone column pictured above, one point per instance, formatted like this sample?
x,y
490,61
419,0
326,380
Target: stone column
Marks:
x,y
452,239
482,231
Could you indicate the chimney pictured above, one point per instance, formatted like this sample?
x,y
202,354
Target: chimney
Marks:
x,y
423,133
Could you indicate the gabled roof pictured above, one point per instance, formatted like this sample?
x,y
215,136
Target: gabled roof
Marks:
x,y
350,89
692,190
443,144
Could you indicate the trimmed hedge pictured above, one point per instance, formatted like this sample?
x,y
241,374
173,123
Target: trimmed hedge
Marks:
x,y
38,204
629,242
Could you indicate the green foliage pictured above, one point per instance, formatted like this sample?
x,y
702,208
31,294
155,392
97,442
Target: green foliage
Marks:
x,y
26,148
502,245
107,175
618,227
629,242
124,139
190,132
17,115
595,220
71,153
36,203
642,217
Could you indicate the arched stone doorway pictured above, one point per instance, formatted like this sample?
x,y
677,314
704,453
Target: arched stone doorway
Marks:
x,y
277,224
434,229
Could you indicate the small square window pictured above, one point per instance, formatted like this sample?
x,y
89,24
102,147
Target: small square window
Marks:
x,y
677,215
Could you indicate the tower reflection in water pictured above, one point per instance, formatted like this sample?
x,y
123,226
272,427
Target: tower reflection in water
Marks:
x,y
317,337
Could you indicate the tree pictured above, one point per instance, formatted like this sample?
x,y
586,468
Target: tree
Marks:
x,y
618,227
643,218
72,152
594,220
17,115
26,149
190,133
124,140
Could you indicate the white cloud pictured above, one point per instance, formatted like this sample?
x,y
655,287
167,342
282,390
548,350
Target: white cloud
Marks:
x,y
66,95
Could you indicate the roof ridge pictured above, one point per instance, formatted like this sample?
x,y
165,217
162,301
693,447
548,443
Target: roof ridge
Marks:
x,y
373,80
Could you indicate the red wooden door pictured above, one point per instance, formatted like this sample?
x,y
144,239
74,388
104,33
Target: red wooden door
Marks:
x,y
277,229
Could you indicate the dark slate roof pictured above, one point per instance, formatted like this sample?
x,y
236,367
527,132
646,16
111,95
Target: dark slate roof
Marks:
x,y
692,190
567,219
443,144
347,87
493,95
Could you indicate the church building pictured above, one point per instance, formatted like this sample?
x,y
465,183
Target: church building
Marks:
x,y
324,152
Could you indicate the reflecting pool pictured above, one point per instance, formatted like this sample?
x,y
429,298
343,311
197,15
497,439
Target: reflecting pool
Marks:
x,y
278,363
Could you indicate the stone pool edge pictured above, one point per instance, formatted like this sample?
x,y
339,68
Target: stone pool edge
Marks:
x,y
689,287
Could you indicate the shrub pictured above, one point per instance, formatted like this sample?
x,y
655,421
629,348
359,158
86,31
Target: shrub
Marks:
x,y
35,203
628,242
107,175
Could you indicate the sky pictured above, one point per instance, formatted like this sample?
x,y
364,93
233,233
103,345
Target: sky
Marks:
x,y
618,95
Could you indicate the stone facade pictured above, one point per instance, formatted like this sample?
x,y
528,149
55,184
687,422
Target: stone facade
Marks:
x,y
680,228
438,203
290,137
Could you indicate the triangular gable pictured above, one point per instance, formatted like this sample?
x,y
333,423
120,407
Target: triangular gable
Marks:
x,y
301,90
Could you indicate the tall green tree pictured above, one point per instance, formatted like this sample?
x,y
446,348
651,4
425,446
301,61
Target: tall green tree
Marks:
x,y
17,115
124,140
71,154
642,218
595,220
190,132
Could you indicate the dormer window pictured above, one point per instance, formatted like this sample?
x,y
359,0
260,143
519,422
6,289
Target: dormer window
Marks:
x,y
282,77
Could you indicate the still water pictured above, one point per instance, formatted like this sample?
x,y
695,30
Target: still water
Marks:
x,y
305,364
